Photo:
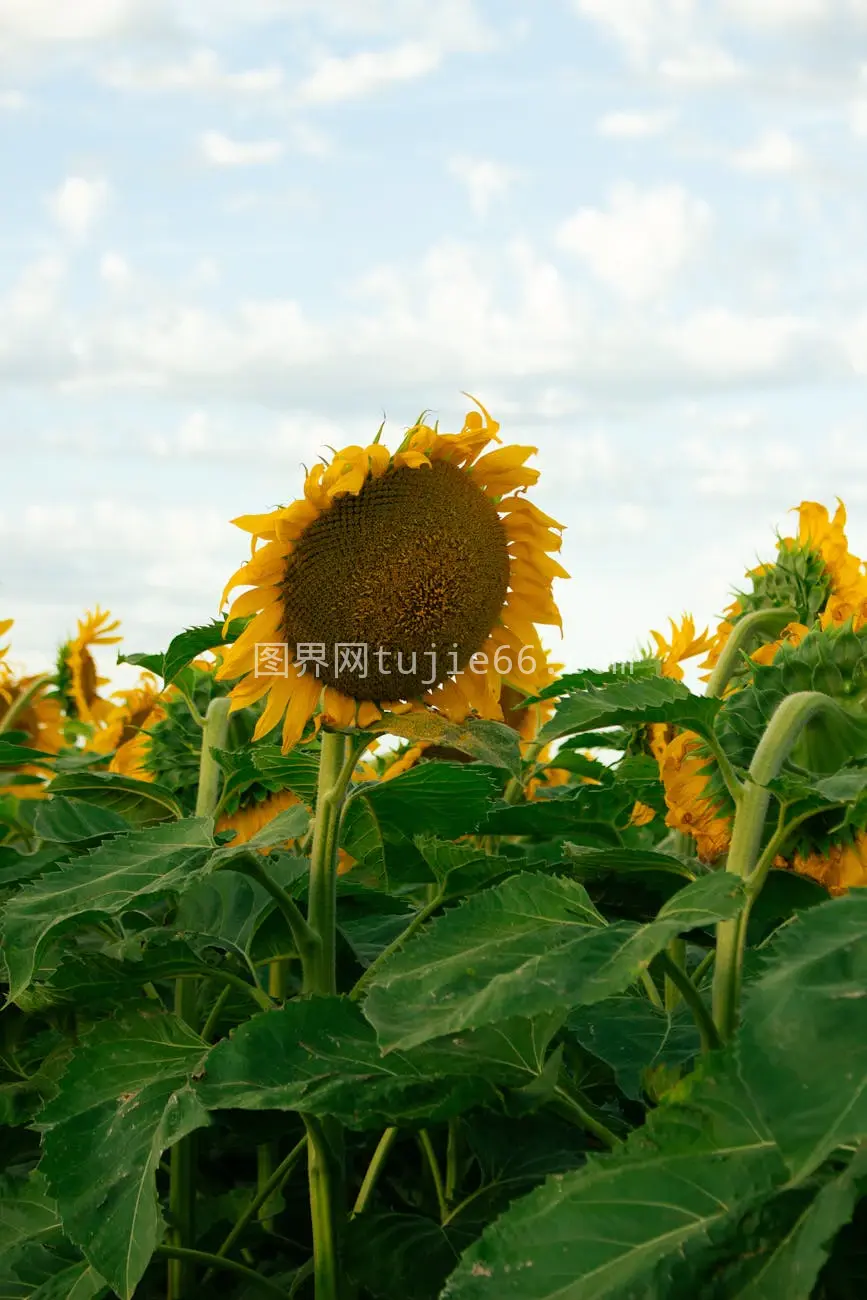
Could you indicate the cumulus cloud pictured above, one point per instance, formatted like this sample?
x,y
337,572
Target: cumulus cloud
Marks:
x,y
221,151
201,72
634,126
78,204
641,240
486,181
367,71
774,152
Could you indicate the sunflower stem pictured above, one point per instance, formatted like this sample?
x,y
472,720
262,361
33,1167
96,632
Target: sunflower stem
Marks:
x,y
335,771
744,857
268,1154
326,1180
20,703
374,1169
182,1178
742,637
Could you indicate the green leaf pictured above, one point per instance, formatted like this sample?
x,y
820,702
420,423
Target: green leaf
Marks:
x,y
595,864
631,1035
27,1211
437,799
320,1057
139,802
125,1098
600,812
783,1265
187,646
803,1040
493,743
461,868
12,755
580,681
619,1226
67,821
79,1281
525,947
630,702
122,872
404,1240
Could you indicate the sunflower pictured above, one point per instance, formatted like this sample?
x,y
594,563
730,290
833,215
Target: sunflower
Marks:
x,y
5,670
247,821
686,771
429,558
78,680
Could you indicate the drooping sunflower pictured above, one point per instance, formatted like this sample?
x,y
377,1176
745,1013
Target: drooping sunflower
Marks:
x,y
77,676
428,564
5,670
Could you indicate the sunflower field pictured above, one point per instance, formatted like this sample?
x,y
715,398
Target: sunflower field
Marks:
x,y
360,952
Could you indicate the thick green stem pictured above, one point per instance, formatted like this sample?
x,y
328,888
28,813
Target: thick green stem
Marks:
x,y
374,1169
743,636
675,973
319,1175
434,1166
18,705
335,772
677,953
570,1104
182,1178
305,938
775,746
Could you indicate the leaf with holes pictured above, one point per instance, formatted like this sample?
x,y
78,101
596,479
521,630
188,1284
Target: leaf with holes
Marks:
x,y
125,1098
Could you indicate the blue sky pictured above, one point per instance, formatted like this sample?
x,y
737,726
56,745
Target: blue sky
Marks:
x,y
233,233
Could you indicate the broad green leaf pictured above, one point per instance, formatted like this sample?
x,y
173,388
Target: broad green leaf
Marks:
x,y
593,864
106,882
763,1264
404,1241
186,646
28,1212
437,799
67,821
125,1098
803,1040
461,868
600,812
77,1282
37,1272
493,743
528,946
618,1227
12,755
580,681
17,867
631,1035
139,802
320,1057
630,702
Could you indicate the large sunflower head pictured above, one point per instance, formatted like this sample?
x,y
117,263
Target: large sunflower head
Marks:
x,y
77,676
399,581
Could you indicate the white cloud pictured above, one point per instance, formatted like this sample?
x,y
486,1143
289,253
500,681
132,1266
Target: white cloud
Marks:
x,y
114,270
201,72
774,152
701,65
858,117
56,22
79,203
221,151
641,241
359,74
634,126
780,13
11,101
486,181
